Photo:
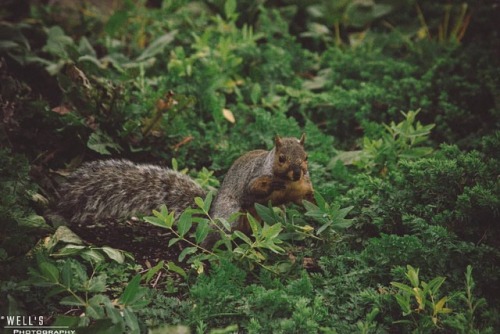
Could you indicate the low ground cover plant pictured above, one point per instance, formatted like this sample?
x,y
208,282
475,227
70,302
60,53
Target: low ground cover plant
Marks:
x,y
400,106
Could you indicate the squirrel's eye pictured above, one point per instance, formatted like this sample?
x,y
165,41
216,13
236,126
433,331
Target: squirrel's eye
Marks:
x,y
282,158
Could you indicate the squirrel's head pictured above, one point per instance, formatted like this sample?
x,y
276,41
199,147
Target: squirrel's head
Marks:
x,y
290,158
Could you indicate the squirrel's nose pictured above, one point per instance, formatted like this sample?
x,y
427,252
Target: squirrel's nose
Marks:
x,y
296,173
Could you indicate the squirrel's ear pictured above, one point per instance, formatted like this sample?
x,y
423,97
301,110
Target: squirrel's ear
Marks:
x,y
277,141
302,139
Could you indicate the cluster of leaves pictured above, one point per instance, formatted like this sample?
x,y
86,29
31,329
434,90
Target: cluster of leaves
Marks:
x,y
224,77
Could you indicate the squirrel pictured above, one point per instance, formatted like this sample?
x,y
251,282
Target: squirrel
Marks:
x,y
111,189
279,176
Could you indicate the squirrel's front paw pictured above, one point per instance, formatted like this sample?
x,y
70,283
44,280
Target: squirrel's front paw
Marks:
x,y
278,185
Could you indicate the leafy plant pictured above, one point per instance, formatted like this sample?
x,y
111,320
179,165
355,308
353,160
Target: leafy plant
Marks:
x,y
425,296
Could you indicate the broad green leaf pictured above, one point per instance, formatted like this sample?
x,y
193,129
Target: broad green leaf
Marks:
x,y
93,256
265,213
114,254
184,224
49,272
66,274
130,292
131,321
271,232
71,301
97,283
201,231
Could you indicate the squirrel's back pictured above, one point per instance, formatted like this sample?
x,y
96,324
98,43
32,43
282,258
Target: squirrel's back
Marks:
x,y
118,188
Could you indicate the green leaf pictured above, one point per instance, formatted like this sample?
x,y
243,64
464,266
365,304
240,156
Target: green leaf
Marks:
x,y
254,225
412,275
225,224
187,251
255,93
184,224
201,231
92,255
404,303
229,8
66,274
208,202
115,22
271,232
199,202
176,269
102,143
403,287
131,321
243,237
265,213
71,301
97,283
131,291
157,45
151,272
49,272
114,254
173,241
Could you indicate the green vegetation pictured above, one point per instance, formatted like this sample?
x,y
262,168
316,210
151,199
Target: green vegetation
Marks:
x,y
400,101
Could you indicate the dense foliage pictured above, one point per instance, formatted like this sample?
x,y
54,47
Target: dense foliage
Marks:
x,y
400,101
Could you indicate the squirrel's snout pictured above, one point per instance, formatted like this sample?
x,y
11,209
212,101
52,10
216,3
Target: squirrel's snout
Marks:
x,y
297,173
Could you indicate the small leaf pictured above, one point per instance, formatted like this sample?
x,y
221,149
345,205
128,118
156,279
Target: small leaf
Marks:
x,y
208,202
255,93
176,269
229,8
440,305
271,232
173,241
412,275
157,45
199,202
254,225
151,272
243,237
187,251
201,231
